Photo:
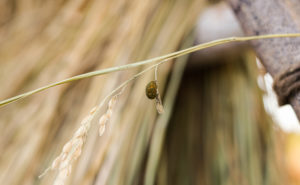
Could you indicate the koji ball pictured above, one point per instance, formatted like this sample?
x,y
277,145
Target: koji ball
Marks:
x,y
151,90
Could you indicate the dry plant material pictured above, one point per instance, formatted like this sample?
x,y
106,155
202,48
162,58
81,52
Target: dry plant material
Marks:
x,y
73,148
152,60
71,38
219,132
71,151
158,104
106,117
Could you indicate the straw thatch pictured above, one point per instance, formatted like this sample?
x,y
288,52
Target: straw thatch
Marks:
x,y
47,41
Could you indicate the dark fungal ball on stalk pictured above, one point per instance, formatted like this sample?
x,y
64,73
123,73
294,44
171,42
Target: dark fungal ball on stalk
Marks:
x,y
151,90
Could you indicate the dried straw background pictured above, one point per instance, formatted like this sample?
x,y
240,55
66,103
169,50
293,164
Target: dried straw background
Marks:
x,y
47,41
225,138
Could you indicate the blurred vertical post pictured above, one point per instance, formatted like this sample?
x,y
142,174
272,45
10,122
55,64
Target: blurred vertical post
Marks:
x,y
279,56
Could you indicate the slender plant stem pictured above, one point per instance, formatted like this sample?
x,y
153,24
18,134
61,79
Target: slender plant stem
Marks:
x,y
144,62
155,73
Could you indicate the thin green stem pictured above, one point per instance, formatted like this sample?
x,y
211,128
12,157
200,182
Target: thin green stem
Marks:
x,y
144,62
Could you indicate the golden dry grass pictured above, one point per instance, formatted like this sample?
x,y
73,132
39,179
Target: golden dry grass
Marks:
x,y
44,42
47,41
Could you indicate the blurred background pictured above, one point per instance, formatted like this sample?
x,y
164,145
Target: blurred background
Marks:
x,y
221,126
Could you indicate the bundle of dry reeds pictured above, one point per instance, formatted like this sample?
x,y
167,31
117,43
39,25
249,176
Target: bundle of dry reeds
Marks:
x,y
218,133
47,41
